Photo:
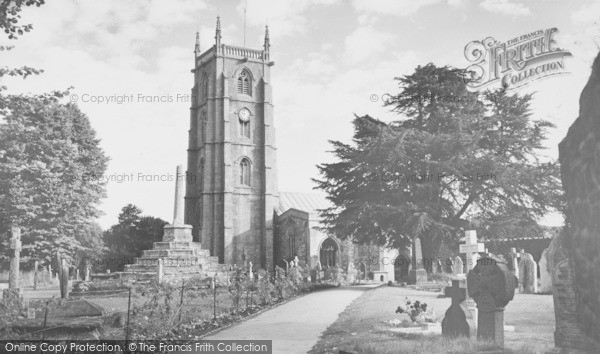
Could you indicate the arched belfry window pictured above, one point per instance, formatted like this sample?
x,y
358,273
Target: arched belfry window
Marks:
x,y
244,83
205,85
245,172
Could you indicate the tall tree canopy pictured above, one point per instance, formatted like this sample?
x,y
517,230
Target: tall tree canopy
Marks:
x,y
51,168
454,159
130,236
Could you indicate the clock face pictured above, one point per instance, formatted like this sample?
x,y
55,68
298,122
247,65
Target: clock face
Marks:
x,y
244,114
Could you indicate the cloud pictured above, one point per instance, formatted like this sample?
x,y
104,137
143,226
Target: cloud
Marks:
x,y
284,17
365,43
401,8
505,7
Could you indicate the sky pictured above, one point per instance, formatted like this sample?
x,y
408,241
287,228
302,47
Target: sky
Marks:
x,y
333,59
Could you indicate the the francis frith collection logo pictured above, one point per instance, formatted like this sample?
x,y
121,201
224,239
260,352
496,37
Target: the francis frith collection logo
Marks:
x,y
516,62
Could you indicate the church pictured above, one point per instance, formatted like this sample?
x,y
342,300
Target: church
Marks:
x,y
233,203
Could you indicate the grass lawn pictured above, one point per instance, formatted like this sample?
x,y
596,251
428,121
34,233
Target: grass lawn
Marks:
x,y
360,326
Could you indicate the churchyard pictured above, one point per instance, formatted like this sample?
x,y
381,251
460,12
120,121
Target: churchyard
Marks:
x,y
402,250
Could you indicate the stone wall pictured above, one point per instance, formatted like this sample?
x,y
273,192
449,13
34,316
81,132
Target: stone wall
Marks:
x,y
580,169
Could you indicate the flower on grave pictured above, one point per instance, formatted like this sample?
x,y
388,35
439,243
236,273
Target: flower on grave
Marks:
x,y
416,310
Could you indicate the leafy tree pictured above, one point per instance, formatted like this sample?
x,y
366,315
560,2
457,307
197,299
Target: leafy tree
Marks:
x,y
10,15
131,235
51,168
454,160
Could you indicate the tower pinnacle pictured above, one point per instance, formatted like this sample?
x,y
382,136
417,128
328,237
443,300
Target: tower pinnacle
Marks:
x,y
197,47
218,32
267,44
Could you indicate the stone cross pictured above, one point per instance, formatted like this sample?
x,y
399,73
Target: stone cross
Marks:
x,y
471,248
296,261
179,196
457,317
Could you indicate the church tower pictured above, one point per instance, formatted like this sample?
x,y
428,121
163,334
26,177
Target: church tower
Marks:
x,y
232,174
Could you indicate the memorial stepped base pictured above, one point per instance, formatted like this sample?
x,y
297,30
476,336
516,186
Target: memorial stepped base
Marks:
x,y
180,260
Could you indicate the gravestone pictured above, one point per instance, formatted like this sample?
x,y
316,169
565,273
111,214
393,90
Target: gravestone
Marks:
x,y
250,272
579,155
492,285
457,318
545,275
319,269
449,266
438,266
568,333
286,266
418,274
528,274
87,272
513,261
459,267
13,290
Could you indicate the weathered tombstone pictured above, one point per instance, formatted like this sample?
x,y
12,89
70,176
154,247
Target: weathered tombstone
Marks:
x,y
64,279
250,271
13,290
418,274
569,332
86,277
319,269
492,285
438,266
579,155
449,266
286,266
513,259
528,274
457,318
545,277
459,267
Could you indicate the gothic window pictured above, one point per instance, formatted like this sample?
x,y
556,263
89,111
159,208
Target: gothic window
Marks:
x,y
204,85
245,172
291,236
328,253
244,83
